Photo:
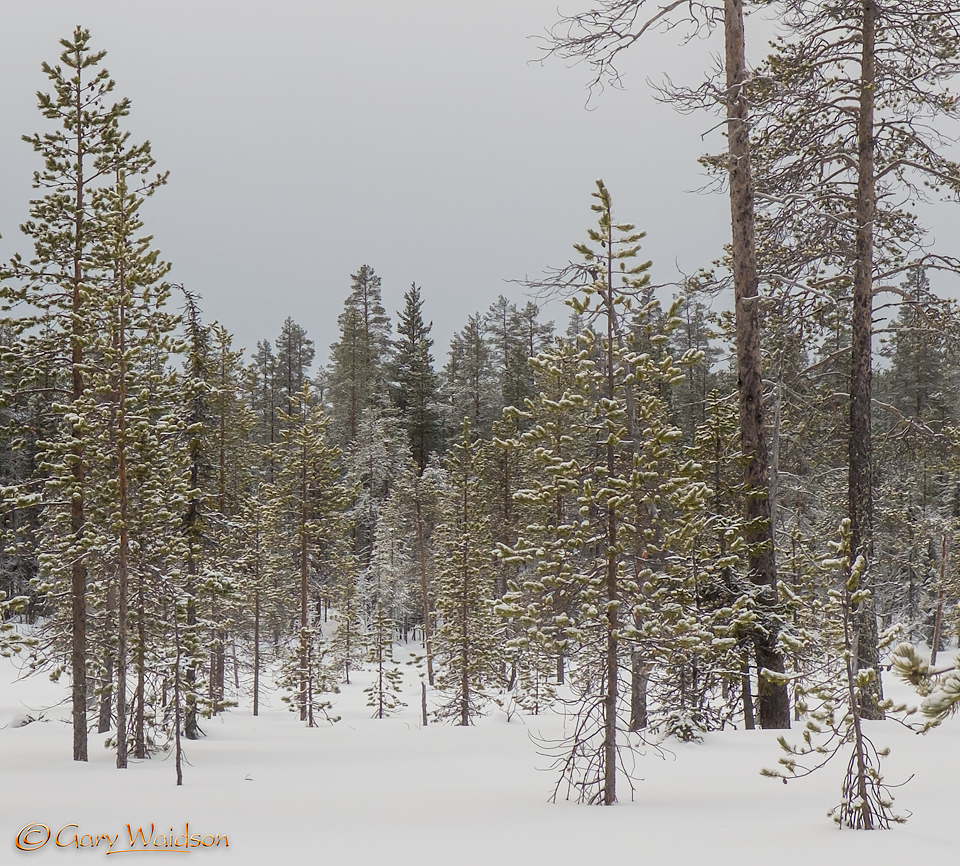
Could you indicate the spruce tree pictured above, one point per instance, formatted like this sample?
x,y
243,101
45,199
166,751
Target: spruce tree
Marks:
x,y
305,513
464,645
294,356
358,360
415,383
470,386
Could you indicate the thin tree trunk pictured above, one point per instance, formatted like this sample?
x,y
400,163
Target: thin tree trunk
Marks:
x,y
464,629
855,695
774,702
124,548
191,729
611,670
639,678
861,446
176,698
256,648
746,693
78,569
424,591
139,733
105,720
304,676
941,591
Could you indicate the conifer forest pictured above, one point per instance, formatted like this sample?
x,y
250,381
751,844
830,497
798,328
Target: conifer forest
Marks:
x,y
678,515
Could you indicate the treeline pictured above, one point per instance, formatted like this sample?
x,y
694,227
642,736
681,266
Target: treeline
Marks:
x,y
550,513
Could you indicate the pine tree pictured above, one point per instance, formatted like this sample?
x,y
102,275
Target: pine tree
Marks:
x,y
836,720
385,690
470,382
415,507
876,116
62,285
262,385
306,507
416,389
599,36
514,335
358,360
295,354
464,645
134,341
599,575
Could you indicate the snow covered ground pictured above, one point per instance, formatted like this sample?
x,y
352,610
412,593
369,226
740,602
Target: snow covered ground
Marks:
x,y
367,791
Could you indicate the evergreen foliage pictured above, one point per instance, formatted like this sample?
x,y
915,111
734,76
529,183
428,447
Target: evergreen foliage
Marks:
x,y
416,386
359,359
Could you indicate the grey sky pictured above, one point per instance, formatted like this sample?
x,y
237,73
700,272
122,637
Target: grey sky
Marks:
x,y
307,137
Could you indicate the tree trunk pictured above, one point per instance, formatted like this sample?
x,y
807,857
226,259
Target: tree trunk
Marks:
x,y
424,590
746,693
612,669
139,730
191,729
256,644
938,617
774,702
304,660
464,629
639,677
124,547
861,446
78,569
105,719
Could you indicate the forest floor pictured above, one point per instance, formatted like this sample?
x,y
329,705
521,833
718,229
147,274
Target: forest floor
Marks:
x,y
368,791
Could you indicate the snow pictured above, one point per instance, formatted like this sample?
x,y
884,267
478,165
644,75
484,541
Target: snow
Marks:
x,y
390,791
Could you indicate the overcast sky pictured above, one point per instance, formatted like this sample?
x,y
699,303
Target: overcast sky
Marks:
x,y
305,138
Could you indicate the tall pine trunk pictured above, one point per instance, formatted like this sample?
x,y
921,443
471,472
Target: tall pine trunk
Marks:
x,y
612,668
78,569
139,723
124,548
105,717
860,443
774,705
304,646
424,589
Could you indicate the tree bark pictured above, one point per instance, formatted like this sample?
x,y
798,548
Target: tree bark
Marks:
x,y
774,705
612,669
639,677
424,590
256,624
860,443
78,569
124,546
304,658
139,730
105,719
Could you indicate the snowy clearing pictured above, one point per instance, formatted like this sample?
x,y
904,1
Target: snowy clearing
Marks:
x,y
371,791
